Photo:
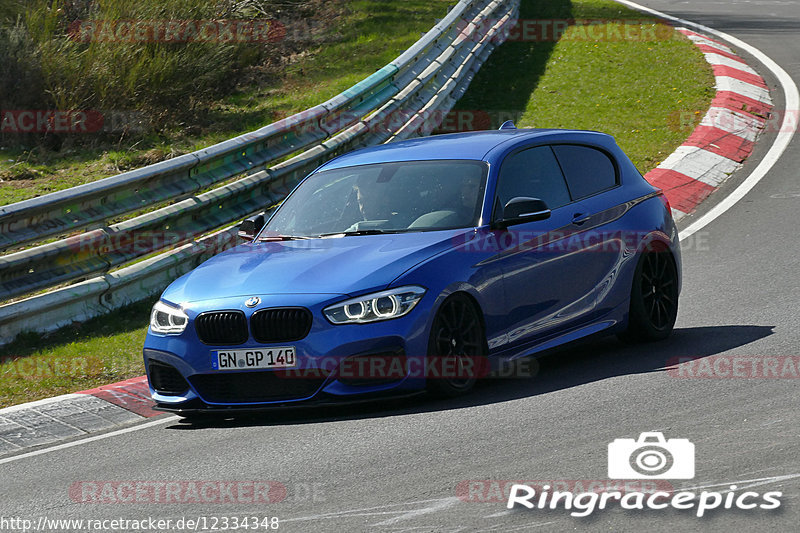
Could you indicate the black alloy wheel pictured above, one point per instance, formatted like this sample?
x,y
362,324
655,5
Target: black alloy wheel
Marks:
x,y
654,298
458,343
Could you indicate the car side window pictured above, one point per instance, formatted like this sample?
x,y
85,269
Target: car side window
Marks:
x,y
588,170
533,173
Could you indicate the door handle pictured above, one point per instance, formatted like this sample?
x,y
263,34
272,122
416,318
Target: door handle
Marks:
x,y
580,218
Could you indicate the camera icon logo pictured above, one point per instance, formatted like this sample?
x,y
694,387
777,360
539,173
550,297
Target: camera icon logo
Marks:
x,y
651,457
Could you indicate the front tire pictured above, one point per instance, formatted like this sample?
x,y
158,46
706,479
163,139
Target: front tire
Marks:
x,y
458,339
654,298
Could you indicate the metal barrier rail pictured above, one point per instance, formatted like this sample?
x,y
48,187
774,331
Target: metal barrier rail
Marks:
x,y
100,250
79,207
416,89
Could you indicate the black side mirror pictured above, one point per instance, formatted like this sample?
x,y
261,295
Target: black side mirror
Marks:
x,y
251,226
523,209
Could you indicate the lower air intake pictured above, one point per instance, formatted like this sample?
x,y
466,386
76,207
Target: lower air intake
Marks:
x,y
255,387
166,379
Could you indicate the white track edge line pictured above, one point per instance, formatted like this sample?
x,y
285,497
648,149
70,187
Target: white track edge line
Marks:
x,y
88,439
785,134
38,403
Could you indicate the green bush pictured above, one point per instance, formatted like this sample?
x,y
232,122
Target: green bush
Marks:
x,y
43,65
21,82
150,76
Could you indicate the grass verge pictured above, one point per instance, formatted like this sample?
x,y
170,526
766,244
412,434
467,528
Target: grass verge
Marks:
x,y
78,357
648,93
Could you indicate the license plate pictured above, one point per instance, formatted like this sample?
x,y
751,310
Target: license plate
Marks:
x,y
279,357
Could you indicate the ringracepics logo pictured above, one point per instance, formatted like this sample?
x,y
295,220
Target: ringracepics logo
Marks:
x,y
651,456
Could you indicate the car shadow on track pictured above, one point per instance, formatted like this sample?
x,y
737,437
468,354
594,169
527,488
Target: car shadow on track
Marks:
x,y
571,367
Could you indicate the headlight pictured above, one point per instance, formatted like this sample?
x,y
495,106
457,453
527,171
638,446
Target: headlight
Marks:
x,y
167,320
376,306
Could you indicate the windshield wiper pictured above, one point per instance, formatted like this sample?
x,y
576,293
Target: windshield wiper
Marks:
x,y
359,232
283,237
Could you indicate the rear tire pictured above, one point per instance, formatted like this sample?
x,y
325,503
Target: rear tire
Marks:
x,y
654,298
457,333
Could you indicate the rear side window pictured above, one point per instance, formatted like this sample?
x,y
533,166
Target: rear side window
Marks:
x,y
532,173
588,170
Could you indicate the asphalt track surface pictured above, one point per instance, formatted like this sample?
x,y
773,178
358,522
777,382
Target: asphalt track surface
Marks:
x,y
396,466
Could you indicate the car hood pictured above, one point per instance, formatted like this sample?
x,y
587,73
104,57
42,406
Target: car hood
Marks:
x,y
339,265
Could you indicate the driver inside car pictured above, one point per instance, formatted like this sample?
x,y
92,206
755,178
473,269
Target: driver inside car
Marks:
x,y
372,200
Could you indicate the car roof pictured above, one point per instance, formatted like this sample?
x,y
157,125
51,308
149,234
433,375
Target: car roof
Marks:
x,y
475,145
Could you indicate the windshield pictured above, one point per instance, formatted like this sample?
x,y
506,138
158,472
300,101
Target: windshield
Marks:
x,y
383,197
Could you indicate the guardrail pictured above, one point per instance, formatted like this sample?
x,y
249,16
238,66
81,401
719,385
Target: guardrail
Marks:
x,y
405,98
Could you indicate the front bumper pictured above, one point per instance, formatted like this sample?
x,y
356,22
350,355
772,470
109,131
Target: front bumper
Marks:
x,y
317,380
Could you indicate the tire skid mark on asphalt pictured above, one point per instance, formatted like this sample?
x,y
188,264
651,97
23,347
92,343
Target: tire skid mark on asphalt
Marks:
x,y
383,510
746,483
428,507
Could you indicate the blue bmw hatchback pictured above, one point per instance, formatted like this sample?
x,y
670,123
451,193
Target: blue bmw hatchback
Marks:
x,y
416,266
